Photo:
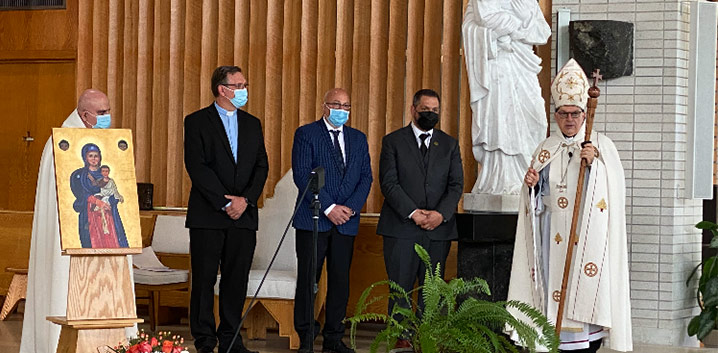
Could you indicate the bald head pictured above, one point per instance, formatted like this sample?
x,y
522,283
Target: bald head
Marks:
x,y
92,103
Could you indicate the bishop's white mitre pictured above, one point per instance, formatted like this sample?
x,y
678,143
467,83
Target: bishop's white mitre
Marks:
x,y
570,87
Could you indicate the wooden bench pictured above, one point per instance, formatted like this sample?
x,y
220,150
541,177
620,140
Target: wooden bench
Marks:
x,y
16,291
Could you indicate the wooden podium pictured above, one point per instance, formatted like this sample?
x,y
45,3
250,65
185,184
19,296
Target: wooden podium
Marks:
x,y
100,302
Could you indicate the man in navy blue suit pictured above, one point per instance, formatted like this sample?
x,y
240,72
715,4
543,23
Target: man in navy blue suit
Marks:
x,y
344,154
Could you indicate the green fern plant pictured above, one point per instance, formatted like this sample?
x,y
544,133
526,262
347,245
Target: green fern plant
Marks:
x,y
707,292
447,326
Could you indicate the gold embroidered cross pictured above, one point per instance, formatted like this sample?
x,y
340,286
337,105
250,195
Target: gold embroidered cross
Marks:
x,y
602,205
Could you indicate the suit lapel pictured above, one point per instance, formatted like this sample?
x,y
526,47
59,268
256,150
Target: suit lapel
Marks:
x,y
216,121
413,147
348,156
329,141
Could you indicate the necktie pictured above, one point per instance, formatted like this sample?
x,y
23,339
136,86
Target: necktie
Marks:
x,y
423,147
338,147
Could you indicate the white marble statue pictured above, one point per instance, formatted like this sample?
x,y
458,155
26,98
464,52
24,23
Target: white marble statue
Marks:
x,y
509,119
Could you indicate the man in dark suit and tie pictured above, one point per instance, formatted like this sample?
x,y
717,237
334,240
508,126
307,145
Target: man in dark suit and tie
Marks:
x,y
422,181
344,154
226,160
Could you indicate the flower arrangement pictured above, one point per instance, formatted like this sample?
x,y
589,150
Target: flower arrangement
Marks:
x,y
163,342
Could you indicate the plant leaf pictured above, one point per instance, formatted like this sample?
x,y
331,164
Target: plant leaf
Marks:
x,y
706,322
706,225
710,293
693,326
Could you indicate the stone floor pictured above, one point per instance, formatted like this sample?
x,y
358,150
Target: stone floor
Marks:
x,y
11,329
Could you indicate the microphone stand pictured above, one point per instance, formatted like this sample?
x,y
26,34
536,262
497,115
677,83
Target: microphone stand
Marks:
x,y
316,206
316,182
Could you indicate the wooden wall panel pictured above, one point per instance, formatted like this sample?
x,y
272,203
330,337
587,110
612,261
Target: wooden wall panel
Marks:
x,y
257,55
451,62
143,121
378,58
326,52
344,49
160,94
241,36
291,86
308,59
175,106
273,90
225,32
291,52
38,52
396,65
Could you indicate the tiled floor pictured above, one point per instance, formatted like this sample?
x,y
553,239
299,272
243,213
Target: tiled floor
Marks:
x,y
11,329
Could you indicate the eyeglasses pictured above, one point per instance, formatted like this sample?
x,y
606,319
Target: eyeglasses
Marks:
x,y
236,85
573,115
337,105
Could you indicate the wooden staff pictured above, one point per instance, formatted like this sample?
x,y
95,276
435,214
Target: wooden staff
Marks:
x,y
593,94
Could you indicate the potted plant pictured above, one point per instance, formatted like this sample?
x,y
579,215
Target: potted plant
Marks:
x,y
707,292
445,325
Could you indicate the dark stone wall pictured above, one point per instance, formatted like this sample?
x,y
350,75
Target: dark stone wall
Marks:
x,y
604,45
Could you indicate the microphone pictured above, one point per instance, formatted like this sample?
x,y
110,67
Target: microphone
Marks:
x,y
316,179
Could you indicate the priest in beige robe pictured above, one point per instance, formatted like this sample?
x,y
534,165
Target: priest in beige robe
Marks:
x,y
597,306
48,270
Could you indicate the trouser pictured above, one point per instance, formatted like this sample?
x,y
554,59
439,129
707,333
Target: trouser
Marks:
x,y
230,250
338,250
404,266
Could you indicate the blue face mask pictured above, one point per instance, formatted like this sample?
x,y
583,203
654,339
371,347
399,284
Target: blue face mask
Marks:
x,y
103,122
338,117
240,98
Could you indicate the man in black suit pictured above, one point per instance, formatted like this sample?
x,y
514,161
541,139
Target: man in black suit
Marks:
x,y
227,163
422,181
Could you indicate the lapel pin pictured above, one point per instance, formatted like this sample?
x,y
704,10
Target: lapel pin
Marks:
x,y
436,143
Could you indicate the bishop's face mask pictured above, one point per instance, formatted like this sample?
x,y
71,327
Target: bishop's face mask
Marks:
x,y
427,120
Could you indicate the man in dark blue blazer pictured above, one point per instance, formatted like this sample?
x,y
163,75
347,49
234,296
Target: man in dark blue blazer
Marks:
x,y
422,180
344,154
226,160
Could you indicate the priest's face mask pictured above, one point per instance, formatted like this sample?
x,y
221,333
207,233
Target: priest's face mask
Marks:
x,y
569,119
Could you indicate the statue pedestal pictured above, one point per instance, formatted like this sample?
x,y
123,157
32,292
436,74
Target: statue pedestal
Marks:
x,y
474,202
486,246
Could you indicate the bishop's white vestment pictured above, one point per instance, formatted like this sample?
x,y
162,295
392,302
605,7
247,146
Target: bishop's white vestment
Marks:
x,y
598,297
48,271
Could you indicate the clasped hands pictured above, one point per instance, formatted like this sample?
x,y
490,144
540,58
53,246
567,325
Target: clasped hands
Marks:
x,y
237,206
427,219
340,214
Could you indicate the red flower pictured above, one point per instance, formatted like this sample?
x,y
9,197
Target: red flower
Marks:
x,y
134,349
167,346
177,349
154,342
145,347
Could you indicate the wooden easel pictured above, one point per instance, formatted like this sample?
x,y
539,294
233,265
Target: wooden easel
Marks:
x,y
100,301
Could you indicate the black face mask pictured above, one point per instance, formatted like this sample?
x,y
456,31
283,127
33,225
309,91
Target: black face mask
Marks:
x,y
427,120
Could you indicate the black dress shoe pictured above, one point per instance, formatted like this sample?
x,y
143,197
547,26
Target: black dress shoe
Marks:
x,y
205,350
237,349
336,347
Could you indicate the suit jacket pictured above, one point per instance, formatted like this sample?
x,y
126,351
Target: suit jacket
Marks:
x,y
313,147
408,185
214,173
